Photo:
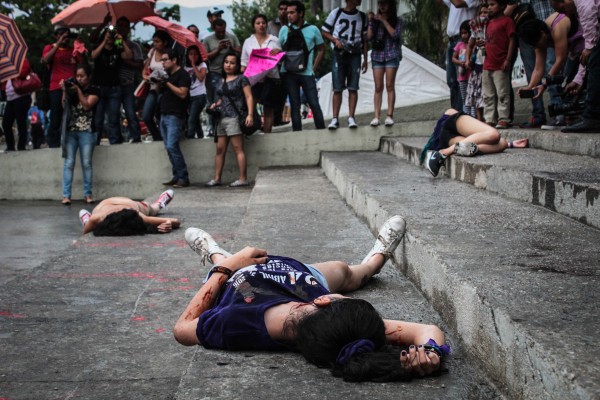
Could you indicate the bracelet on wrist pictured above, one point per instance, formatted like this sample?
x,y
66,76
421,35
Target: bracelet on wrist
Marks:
x,y
222,270
443,350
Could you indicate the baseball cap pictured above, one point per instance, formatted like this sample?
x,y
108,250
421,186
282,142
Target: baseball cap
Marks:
x,y
60,28
214,11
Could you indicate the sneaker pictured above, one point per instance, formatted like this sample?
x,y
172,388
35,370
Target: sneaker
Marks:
x,y
352,123
533,123
212,183
465,149
334,124
238,183
148,139
181,184
389,121
389,237
203,244
435,161
164,199
84,216
375,122
502,124
556,123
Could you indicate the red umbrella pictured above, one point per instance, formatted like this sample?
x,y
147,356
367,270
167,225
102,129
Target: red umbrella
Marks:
x,y
179,33
13,49
91,13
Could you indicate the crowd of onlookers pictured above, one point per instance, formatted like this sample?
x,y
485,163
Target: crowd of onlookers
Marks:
x,y
96,93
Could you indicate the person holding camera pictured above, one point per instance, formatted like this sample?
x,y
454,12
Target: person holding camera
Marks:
x,y
61,60
346,29
173,106
108,56
385,34
80,99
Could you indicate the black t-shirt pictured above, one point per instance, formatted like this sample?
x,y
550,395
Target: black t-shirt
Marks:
x,y
106,67
170,103
82,120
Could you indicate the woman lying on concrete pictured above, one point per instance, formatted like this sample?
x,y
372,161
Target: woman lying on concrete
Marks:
x,y
458,133
122,216
254,301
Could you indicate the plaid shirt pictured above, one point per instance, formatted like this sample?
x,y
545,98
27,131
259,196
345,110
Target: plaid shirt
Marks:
x,y
392,47
542,8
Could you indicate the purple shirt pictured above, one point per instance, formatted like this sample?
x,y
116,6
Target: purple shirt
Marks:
x,y
589,13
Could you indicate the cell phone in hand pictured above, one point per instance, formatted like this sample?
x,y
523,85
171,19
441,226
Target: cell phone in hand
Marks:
x,y
528,93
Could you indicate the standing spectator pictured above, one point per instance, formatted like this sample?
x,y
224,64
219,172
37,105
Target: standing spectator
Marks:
x,y
312,41
161,42
16,109
217,45
128,71
385,34
37,122
460,60
346,29
273,28
269,91
173,103
107,62
235,96
62,60
212,15
460,11
500,44
196,68
80,99
194,29
475,65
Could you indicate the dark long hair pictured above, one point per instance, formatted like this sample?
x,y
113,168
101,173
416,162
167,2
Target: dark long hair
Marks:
x,y
531,31
238,63
124,223
392,11
321,335
187,59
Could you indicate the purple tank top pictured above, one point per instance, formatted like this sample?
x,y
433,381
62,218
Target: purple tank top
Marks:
x,y
575,40
236,321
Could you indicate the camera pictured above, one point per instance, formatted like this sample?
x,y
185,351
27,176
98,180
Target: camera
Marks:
x,y
378,45
215,112
111,30
70,82
571,106
158,76
527,93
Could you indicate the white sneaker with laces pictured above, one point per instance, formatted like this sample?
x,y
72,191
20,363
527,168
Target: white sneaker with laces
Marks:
x,y
334,124
203,244
389,121
84,216
390,235
375,122
352,123
164,199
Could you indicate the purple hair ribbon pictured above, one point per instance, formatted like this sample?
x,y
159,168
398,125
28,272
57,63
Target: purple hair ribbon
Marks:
x,y
353,348
443,350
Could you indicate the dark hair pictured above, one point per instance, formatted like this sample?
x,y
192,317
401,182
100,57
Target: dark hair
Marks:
x,y
192,26
124,223
299,6
162,35
173,55
187,53
124,19
392,12
321,335
86,67
238,63
257,16
218,22
465,27
283,3
502,3
531,31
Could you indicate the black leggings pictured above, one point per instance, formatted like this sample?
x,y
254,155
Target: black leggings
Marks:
x,y
16,110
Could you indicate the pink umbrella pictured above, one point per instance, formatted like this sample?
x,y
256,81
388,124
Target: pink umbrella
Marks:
x,y
91,13
179,33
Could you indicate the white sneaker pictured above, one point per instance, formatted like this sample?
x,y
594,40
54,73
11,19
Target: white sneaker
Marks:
x,y
390,235
389,121
375,122
203,244
164,199
84,216
352,123
465,149
334,124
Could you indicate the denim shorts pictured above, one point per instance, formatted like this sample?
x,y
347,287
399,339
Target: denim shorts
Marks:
x,y
393,63
318,276
345,71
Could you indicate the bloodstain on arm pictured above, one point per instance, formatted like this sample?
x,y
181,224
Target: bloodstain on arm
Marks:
x,y
393,332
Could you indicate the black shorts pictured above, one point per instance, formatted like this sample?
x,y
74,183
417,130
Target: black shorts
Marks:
x,y
269,93
449,130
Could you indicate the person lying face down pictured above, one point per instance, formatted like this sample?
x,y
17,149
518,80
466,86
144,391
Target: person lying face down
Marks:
x,y
254,301
122,216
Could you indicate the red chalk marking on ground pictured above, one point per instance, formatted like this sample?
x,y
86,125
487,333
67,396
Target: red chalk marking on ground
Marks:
x,y
140,318
159,330
11,315
170,289
182,280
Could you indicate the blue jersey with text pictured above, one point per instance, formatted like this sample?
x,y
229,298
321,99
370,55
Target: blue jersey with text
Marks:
x,y
236,321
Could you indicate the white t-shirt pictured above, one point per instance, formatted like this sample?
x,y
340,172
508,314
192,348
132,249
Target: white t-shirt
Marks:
x,y
351,27
198,87
252,43
456,16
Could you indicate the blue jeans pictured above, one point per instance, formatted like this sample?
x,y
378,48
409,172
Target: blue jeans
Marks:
x,y
197,104
128,100
85,141
171,129
56,110
592,100
293,82
110,102
452,76
150,112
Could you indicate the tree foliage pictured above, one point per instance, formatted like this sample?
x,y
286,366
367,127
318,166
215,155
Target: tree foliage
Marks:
x,y
424,29
172,13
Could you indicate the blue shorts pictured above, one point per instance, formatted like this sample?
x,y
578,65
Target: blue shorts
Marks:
x,y
345,71
318,276
393,63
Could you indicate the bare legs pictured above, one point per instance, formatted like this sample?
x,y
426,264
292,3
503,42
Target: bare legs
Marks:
x,y
390,81
337,103
237,142
484,136
343,278
268,121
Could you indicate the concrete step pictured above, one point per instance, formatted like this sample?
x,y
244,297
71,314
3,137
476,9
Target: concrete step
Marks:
x,y
567,184
298,213
514,282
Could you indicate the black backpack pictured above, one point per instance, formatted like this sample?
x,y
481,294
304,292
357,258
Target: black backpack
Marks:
x,y
296,50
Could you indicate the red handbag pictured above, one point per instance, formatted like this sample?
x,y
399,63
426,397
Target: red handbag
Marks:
x,y
27,85
142,90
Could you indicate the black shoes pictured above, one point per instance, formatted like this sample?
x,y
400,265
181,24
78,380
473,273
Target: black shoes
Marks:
x,y
181,184
171,182
583,126
435,161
